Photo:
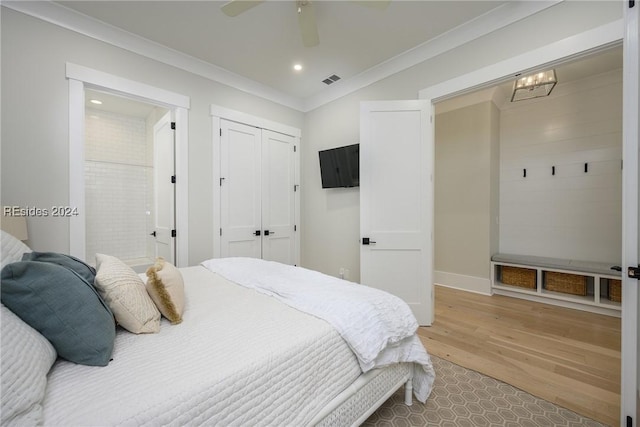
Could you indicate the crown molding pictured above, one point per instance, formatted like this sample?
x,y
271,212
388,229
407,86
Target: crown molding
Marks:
x,y
491,21
69,19
487,23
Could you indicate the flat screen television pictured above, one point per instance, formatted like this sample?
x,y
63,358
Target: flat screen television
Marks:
x,y
340,167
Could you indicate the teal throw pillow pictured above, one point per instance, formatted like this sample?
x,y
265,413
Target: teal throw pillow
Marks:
x,y
83,269
61,305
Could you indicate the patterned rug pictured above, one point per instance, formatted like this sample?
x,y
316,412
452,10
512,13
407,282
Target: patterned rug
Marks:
x,y
462,397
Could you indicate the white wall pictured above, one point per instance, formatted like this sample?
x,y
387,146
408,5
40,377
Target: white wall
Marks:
x,y
572,214
330,220
35,154
466,150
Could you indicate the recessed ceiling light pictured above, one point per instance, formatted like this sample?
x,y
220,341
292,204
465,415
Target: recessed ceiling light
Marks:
x,y
96,101
297,67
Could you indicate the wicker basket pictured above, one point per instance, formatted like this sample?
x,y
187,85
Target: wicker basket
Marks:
x,y
615,290
518,276
574,284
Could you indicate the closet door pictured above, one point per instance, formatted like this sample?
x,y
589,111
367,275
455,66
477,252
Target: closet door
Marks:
x,y
240,190
278,197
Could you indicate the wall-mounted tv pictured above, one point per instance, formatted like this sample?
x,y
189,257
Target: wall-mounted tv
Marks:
x,y
340,167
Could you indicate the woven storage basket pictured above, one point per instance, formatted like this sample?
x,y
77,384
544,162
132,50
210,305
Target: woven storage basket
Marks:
x,y
574,284
518,276
615,290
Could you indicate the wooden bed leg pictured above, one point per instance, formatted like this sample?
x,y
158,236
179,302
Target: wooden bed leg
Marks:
x,y
408,392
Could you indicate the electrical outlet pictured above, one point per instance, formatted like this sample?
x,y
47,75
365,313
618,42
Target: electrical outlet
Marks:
x,y
341,273
345,274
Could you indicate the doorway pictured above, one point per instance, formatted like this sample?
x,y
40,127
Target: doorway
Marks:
x,y
123,196
554,210
83,78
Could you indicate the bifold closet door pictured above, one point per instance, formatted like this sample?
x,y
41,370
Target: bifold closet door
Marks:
x,y
278,197
240,190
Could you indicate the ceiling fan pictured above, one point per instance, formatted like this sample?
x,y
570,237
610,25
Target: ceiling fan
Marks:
x,y
306,15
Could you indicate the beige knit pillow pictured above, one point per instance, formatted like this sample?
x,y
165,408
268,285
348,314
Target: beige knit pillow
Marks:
x,y
124,292
166,288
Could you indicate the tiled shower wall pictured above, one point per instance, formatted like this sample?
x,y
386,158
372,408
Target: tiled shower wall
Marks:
x,y
118,185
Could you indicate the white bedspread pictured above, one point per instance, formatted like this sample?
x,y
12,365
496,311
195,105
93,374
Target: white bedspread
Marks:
x,y
379,327
239,358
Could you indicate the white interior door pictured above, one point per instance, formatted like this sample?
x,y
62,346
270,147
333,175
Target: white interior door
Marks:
x,y
164,188
240,190
630,405
396,200
278,193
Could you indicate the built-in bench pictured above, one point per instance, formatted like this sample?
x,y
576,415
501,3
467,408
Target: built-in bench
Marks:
x,y
598,284
586,267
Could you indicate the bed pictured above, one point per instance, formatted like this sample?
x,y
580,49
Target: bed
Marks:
x,y
250,349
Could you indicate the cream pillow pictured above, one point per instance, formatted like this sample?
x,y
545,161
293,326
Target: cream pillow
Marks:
x,y
123,290
166,288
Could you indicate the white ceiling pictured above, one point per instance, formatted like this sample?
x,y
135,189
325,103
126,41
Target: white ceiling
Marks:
x,y
263,43
256,50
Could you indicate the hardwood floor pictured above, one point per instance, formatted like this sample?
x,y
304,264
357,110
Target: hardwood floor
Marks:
x,y
568,357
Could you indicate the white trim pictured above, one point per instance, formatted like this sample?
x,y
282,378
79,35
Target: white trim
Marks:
x,y
255,121
78,76
216,175
630,133
491,21
478,285
77,224
131,88
559,51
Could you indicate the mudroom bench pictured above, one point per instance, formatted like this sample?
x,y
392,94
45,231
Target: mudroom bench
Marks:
x,y
583,285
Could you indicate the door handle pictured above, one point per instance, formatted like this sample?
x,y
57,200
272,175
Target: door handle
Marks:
x,y
153,234
268,233
367,241
256,233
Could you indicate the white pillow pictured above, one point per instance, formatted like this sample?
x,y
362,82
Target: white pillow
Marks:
x,y
124,292
26,357
11,249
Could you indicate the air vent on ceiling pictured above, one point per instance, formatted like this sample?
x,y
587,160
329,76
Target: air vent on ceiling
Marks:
x,y
331,79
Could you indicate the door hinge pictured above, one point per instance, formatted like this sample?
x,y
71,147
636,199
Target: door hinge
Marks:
x,y
221,179
295,148
173,233
295,187
632,3
295,227
629,421
173,179
220,131
173,125
221,231
634,272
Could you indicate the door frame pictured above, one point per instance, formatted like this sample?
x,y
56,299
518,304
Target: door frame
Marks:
x,y
573,47
218,113
80,77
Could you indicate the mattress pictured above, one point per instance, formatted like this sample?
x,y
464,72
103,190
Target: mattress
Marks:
x,y
238,358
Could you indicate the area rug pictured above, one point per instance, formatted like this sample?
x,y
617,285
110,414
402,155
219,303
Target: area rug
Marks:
x,y
462,397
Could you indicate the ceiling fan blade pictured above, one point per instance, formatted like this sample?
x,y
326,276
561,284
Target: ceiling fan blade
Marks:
x,y
307,22
376,4
236,7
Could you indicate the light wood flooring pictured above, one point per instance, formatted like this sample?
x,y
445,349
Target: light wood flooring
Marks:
x,y
568,357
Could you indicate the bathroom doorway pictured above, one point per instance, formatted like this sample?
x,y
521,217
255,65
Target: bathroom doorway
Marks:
x,y
130,211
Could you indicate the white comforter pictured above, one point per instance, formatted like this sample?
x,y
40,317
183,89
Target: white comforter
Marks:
x,y
379,327
238,358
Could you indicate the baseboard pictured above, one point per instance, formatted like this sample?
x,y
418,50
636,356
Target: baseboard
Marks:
x,y
477,285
